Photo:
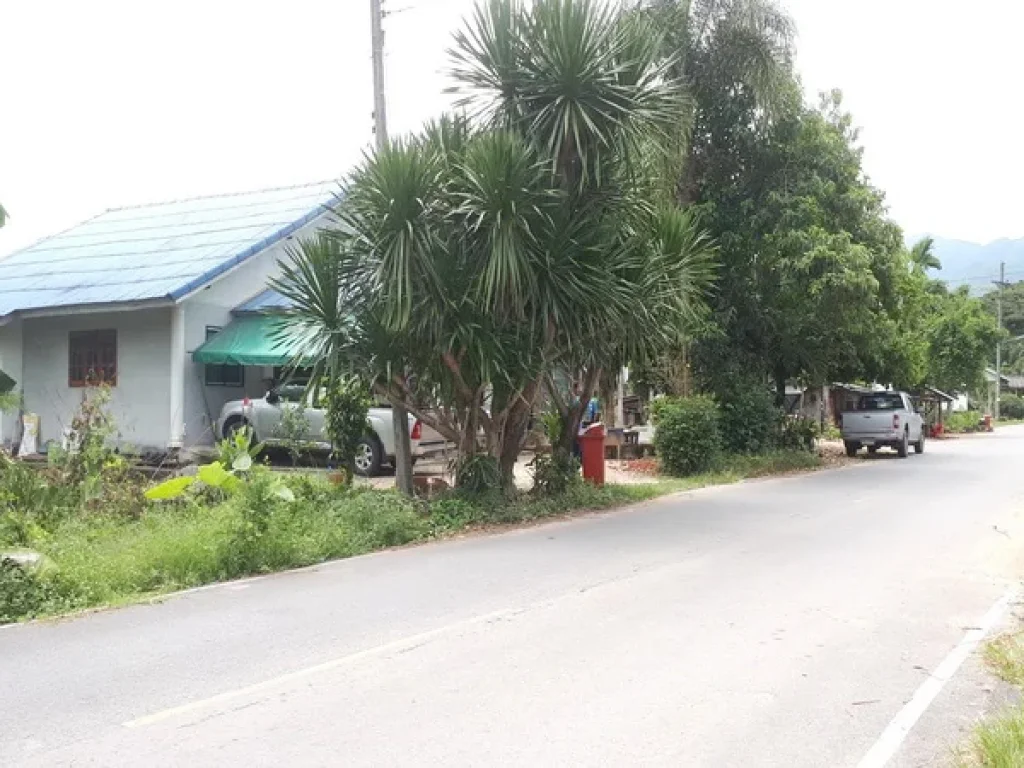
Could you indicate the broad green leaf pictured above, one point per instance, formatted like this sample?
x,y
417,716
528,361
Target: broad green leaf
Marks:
x,y
214,475
170,489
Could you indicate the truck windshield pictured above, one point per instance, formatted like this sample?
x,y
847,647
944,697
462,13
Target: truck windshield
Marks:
x,y
883,401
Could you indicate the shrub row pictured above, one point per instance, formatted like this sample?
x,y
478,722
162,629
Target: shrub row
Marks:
x,y
692,434
1011,407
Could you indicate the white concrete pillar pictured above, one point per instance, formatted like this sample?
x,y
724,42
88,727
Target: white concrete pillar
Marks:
x,y
176,438
12,363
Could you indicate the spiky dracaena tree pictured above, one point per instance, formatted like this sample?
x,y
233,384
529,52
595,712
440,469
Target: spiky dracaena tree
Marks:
x,y
528,237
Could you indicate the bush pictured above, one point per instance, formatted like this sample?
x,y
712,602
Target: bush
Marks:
x,y
554,473
797,433
347,406
379,519
749,420
476,474
962,421
1011,407
451,513
688,439
22,593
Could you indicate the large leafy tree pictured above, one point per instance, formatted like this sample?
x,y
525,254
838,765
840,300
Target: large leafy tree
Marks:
x,y
734,58
1012,298
813,271
961,338
493,250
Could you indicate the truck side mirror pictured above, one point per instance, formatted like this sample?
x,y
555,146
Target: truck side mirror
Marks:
x,y
273,398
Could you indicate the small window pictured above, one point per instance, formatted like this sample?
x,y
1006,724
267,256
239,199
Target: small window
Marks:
x,y
222,375
92,358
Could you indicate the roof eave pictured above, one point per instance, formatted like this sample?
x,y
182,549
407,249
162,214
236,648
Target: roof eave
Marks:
x,y
85,309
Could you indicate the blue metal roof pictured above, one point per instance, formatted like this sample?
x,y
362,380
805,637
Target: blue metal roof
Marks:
x,y
268,301
161,251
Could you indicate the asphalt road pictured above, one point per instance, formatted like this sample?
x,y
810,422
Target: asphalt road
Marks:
x,y
775,623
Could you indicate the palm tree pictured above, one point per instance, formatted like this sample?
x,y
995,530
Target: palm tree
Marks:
x,y
495,248
922,255
725,51
591,89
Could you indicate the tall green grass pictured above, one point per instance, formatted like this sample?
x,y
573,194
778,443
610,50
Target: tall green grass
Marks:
x,y
109,558
999,741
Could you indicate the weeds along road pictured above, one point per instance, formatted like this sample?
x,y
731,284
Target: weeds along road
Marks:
x,y
777,623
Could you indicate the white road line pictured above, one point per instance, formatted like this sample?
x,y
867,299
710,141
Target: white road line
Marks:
x,y
899,727
397,645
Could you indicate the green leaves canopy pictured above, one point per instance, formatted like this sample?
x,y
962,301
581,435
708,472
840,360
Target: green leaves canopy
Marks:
x,y
487,251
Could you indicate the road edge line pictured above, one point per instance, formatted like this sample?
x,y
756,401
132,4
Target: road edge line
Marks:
x,y
896,732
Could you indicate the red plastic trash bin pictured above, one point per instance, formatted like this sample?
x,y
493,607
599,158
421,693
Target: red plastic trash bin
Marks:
x,y
592,449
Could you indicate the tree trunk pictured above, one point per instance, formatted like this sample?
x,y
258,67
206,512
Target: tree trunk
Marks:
x,y
572,417
403,450
514,433
780,386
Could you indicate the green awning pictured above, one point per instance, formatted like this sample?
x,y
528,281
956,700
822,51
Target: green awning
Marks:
x,y
248,340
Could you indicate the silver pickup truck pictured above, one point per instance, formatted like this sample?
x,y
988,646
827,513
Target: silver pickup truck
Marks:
x,y
264,416
883,419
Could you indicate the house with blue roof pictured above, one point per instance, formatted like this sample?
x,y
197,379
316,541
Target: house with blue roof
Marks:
x,y
129,297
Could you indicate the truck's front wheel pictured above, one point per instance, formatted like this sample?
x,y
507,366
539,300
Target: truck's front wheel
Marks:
x,y
851,448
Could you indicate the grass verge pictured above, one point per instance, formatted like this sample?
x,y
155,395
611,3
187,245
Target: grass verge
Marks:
x,y
101,559
998,742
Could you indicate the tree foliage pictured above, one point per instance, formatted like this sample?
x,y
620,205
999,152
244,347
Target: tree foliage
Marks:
x,y
486,253
961,340
812,268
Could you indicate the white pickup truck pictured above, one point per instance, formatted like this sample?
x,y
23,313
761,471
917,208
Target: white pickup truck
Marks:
x,y
264,417
883,419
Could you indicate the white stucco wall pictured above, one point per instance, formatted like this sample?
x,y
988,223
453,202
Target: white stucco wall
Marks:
x,y
211,306
140,403
11,364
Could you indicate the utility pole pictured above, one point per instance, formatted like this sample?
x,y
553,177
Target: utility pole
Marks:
x,y
380,105
999,342
400,417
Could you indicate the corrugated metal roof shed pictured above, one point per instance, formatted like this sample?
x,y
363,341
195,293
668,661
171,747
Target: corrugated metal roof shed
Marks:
x,y
160,251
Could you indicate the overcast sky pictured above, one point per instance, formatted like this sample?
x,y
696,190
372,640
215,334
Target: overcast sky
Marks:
x,y
118,102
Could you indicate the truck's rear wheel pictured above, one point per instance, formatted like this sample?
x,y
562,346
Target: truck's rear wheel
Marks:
x,y
237,424
904,447
851,448
369,457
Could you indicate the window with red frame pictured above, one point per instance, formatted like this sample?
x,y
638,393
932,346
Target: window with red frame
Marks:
x,y
92,358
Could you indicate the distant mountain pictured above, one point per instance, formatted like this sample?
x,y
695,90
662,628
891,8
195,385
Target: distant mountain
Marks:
x,y
966,263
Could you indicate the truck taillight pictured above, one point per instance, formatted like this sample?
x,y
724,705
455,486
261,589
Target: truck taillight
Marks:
x,y
895,421
417,430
